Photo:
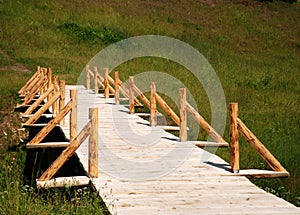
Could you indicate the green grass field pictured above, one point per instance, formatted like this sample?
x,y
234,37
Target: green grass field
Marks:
x,y
254,48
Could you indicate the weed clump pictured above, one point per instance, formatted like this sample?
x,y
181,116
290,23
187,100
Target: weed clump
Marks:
x,y
92,35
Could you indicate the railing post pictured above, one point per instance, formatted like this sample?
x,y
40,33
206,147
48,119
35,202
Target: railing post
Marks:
x,y
95,80
87,77
106,83
55,105
48,72
117,91
93,143
62,88
183,115
234,139
131,95
153,117
73,115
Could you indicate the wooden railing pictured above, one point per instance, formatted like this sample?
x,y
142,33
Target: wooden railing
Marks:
x,y
115,86
43,92
236,126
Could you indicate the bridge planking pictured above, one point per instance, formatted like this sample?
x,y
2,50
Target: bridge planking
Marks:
x,y
197,183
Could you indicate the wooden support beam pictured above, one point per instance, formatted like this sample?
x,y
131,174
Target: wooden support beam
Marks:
x,y
202,122
106,83
153,110
87,77
93,143
131,95
48,73
202,144
67,153
32,84
141,95
56,88
47,145
167,109
259,147
62,88
42,110
96,90
35,89
51,124
25,87
183,115
73,181
234,139
39,101
73,115
116,84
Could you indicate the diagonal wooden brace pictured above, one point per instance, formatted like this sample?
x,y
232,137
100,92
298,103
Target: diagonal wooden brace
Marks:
x,y
42,110
66,154
56,120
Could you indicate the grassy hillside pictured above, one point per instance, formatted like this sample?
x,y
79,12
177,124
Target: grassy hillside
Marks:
x,y
254,48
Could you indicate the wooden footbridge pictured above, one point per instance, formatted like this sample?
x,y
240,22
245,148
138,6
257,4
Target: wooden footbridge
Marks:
x,y
136,165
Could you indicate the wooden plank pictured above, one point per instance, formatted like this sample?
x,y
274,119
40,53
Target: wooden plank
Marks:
x,y
258,173
209,144
204,124
153,110
47,145
183,115
234,139
93,143
42,110
51,124
47,115
66,154
36,125
63,182
259,147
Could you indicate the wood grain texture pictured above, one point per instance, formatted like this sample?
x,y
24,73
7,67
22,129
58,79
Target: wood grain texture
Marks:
x,y
259,147
234,138
201,183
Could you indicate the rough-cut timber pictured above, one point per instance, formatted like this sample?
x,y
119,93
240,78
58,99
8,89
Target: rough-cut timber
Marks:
x,y
234,139
200,183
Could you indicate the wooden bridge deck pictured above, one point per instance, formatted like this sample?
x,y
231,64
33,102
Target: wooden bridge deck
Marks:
x,y
140,173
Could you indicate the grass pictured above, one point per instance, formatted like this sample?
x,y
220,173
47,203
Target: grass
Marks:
x,y
254,48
